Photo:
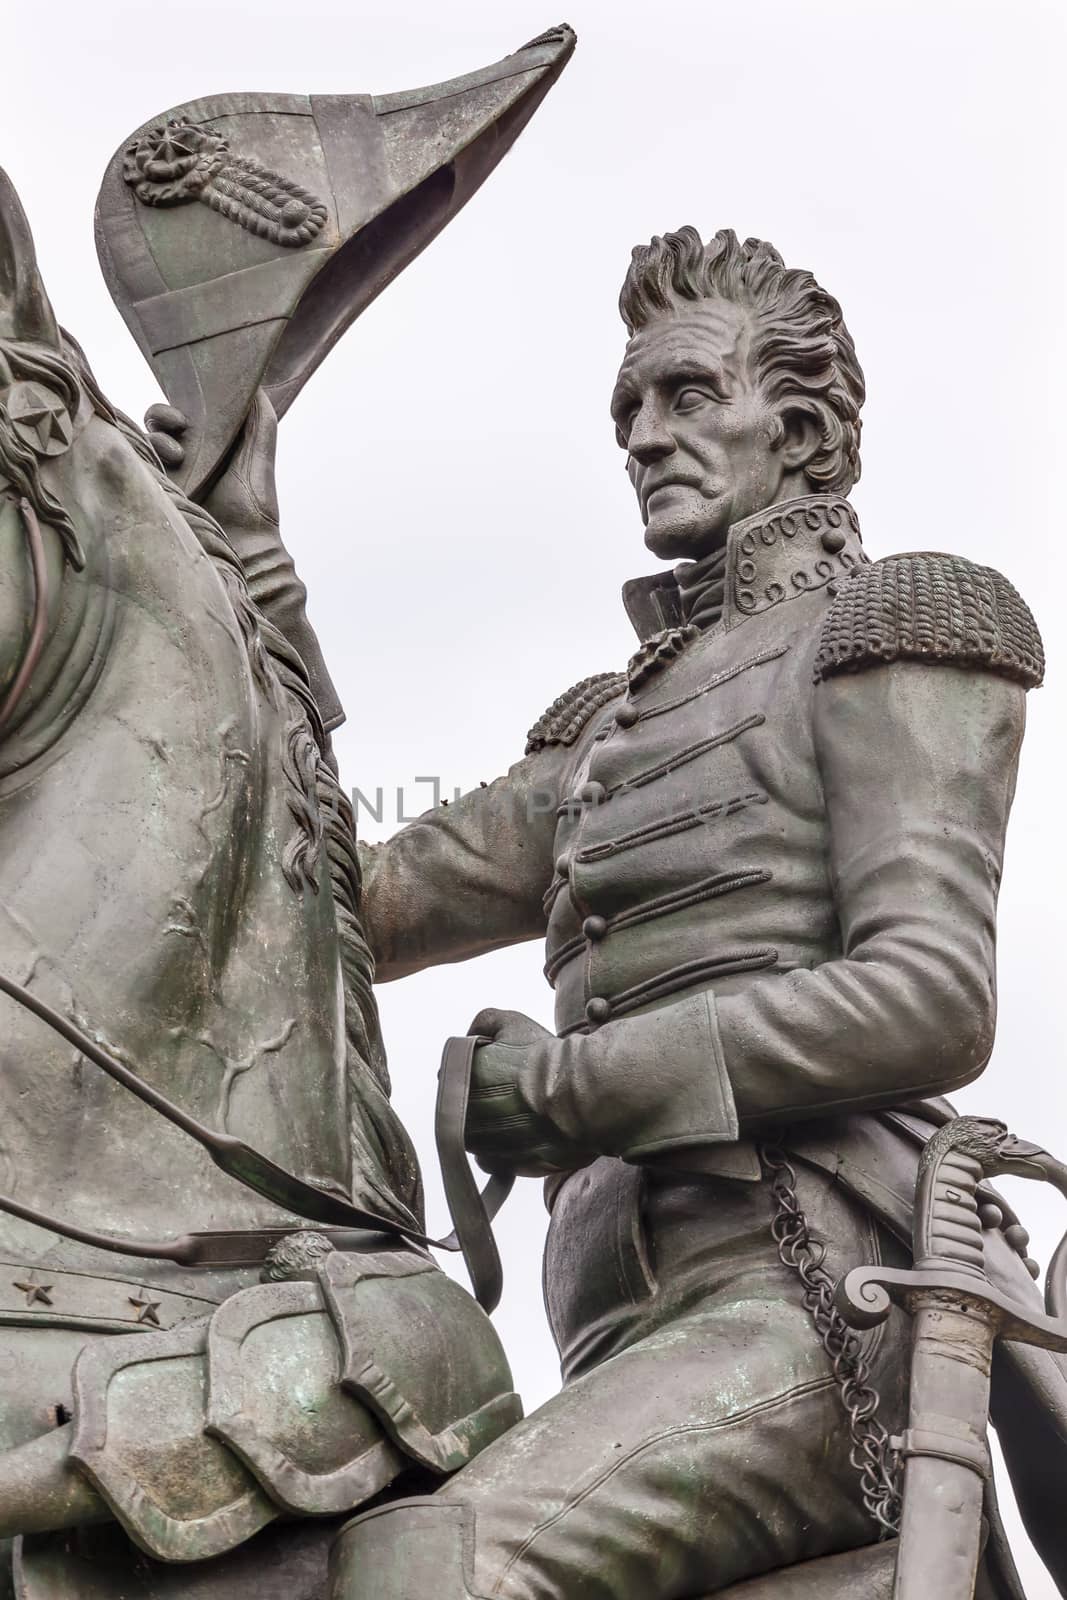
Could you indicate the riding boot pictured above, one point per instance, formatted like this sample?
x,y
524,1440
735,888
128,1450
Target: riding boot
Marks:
x,y
409,1550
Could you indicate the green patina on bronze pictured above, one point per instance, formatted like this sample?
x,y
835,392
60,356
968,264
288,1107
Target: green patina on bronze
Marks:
x,y
181,889
765,861
766,877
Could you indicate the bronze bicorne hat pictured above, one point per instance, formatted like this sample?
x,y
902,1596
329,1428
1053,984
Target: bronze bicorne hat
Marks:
x,y
241,234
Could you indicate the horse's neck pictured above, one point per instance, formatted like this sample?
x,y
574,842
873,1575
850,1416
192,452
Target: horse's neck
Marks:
x,y
161,910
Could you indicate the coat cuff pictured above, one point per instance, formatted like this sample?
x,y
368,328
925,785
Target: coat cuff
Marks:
x,y
691,1103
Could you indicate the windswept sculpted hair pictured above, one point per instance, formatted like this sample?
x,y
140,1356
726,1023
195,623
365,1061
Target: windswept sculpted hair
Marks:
x,y
802,348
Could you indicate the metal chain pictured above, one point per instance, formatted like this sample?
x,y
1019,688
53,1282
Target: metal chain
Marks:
x,y
872,1453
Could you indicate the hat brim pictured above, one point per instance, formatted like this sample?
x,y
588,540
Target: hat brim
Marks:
x,y
220,311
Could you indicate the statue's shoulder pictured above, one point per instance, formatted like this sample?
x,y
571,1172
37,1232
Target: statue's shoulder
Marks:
x,y
565,718
928,606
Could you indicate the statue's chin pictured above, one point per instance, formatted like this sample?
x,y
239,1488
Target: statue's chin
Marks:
x,y
685,523
684,541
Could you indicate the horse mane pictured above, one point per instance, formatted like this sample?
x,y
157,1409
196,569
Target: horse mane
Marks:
x,y
35,363
384,1161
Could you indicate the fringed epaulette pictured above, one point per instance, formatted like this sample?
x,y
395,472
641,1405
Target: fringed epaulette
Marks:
x,y
567,716
930,607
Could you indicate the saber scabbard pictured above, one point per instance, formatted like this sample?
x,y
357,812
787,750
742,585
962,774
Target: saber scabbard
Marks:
x,y
958,1316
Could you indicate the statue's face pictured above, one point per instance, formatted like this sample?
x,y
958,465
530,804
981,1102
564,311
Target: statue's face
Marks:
x,y
696,428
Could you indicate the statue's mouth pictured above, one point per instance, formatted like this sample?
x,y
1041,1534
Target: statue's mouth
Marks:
x,y
664,485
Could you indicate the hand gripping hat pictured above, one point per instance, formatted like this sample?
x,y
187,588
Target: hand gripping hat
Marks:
x,y
240,235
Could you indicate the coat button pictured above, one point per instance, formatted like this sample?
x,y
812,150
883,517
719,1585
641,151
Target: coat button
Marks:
x,y
833,541
626,715
563,867
598,1009
990,1216
595,928
592,793
1017,1237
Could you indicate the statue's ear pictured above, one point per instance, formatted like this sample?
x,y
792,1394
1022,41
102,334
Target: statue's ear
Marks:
x,y
25,311
803,423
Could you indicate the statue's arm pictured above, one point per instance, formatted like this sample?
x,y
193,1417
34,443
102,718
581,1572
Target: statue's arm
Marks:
x,y
918,768
467,877
245,504
918,765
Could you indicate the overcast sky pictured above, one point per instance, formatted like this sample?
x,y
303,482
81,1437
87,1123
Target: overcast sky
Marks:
x,y
449,480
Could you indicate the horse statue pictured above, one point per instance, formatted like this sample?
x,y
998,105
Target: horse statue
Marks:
x,y
219,1322
222,1331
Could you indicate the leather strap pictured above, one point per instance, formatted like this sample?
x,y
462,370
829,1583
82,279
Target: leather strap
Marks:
x,y
472,1210
948,1439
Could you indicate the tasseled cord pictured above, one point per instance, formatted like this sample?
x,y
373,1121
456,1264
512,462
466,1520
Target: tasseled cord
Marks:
x,y
28,665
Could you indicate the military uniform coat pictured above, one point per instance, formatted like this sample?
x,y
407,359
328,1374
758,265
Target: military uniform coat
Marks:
x,y
795,815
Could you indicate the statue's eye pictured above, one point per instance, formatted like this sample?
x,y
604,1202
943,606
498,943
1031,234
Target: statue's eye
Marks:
x,y
691,399
624,425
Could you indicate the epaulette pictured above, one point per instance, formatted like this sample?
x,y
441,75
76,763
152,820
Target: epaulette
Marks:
x,y
567,716
926,606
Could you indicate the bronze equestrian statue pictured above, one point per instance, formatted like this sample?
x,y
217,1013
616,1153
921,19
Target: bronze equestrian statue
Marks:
x,y
765,860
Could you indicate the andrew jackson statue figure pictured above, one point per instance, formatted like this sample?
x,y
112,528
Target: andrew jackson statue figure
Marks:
x,y
768,883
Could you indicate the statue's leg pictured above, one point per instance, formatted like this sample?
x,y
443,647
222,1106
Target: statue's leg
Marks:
x,y
856,1575
713,1450
709,1449
428,1543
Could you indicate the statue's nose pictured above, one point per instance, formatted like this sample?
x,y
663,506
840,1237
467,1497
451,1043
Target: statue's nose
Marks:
x,y
649,440
651,450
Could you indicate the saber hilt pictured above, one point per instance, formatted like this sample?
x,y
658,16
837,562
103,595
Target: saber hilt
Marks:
x,y
957,1317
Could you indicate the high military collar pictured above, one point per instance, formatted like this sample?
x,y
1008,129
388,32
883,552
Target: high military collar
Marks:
x,y
702,589
771,557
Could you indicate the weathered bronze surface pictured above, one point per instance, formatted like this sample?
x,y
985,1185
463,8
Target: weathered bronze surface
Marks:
x,y
958,1315
193,1074
764,857
765,860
